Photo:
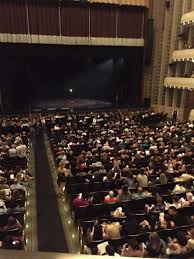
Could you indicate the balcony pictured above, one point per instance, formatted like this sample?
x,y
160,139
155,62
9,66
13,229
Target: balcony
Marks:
x,y
183,55
187,18
179,82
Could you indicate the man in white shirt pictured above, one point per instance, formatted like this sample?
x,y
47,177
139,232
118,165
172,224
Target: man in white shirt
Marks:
x,y
12,151
21,151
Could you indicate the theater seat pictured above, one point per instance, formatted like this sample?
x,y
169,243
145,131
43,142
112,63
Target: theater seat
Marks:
x,y
91,244
98,210
96,186
82,212
14,232
86,225
107,185
109,207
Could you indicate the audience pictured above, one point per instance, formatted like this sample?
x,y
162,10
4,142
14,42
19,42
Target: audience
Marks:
x,y
14,180
138,159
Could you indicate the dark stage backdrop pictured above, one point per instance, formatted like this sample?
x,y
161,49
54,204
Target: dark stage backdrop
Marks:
x,y
26,79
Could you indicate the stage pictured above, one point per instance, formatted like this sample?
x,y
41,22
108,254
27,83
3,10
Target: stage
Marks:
x,y
71,104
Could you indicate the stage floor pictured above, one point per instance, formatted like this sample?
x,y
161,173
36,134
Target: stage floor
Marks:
x,y
75,103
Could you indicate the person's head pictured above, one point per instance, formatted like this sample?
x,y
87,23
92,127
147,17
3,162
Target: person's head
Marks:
x,y
172,211
139,189
2,194
111,194
11,221
159,199
182,238
2,180
125,189
192,233
154,238
142,170
109,176
129,174
132,243
120,191
189,196
153,219
110,250
15,181
175,198
94,250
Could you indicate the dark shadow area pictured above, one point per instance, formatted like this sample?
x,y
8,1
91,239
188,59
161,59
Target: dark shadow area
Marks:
x,y
36,74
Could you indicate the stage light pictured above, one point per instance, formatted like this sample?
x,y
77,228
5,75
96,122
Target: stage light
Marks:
x,y
70,90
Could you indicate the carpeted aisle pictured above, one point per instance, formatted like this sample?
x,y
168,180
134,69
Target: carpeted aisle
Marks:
x,y
49,227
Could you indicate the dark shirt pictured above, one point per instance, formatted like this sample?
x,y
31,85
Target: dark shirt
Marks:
x,y
130,227
80,202
179,220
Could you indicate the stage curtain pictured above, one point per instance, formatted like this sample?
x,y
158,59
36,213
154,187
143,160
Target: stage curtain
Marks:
x,y
103,21
74,19
44,17
130,22
13,18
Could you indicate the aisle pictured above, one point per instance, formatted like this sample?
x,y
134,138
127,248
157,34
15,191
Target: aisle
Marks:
x,y
49,226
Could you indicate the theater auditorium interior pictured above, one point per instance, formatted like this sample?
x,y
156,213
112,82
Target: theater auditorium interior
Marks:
x,y
96,129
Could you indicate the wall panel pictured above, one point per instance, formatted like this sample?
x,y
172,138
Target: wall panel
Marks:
x,y
74,19
43,17
130,22
103,20
13,18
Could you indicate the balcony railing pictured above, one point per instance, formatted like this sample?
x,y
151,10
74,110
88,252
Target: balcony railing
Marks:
x,y
183,55
187,18
179,82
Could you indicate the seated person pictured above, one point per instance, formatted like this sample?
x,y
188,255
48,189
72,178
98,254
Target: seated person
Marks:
x,y
141,194
12,223
156,247
142,178
176,218
110,250
184,178
118,213
130,225
159,207
150,224
175,202
3,208
129,180
80,201
124,194
190,243
112,229
109,177
188,201
96,199
17,186
97,232
110,198
163,178
179,188
132,249
3,184
177,245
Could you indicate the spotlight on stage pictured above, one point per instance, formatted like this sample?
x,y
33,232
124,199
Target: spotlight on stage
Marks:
x,y
70,90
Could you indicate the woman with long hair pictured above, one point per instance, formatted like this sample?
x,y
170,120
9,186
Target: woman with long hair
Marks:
x,y
156,246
